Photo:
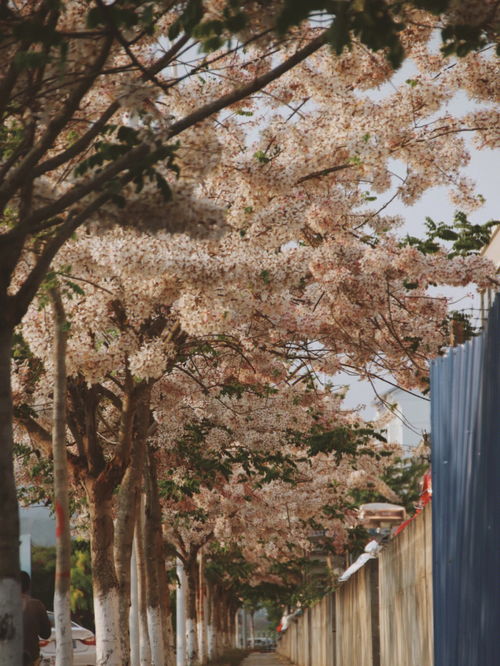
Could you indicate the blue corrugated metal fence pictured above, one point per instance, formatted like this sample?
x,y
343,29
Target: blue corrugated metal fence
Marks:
x,y
465,416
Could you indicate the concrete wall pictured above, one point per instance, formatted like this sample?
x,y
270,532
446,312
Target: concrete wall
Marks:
x,y
405,596
381,616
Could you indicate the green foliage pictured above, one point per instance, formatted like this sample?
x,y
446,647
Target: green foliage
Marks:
x,y
342,440
61,280
464,237
125,14
404,477
205,467
81,597
212,34
143,170
11,137
377,24
462,39
261,157
38,468
226,565
461,326
43,571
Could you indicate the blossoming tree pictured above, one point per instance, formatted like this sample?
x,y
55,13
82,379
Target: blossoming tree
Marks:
x,y
297,267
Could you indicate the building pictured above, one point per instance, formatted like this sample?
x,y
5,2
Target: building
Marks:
x,y
38,528
492,252
406,417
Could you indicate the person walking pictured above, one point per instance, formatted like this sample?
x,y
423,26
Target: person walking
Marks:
x,y
36,623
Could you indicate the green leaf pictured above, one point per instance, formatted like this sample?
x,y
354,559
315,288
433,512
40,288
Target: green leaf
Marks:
x,y
261,156
265,276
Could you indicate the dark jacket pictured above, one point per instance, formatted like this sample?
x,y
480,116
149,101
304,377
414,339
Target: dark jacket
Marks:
x,y
35,623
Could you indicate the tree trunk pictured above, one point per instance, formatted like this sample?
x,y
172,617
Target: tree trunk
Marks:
x,y
10,589
192,584
104,581
252,629
166,608
126,512
144,645
201,610
180,610
211,650
62,610
134,632
216,620
152,534
163,589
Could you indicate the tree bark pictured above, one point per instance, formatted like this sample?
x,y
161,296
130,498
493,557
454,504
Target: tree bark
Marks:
x,y
104,581
201,623
153,535
191,565
252,629
10,589
134,633
211,647
144,644
163,588
180,610
126,513
62,610
166,609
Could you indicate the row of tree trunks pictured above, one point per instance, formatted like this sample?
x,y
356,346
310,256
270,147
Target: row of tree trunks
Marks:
x,y
214,617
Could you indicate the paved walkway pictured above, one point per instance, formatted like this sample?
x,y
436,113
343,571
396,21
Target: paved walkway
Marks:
x,y
265,659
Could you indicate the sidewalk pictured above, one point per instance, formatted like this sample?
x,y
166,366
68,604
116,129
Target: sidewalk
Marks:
x,y
266,659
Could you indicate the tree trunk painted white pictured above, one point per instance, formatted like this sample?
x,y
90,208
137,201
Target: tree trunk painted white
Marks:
x,y
210,642
166,610
62,618
126,511
105,585
62,610
107,624
201,611
156,636
154,560
200,631
144,644
134,610
192,587
191,647
180,615
10,589
10,622
211,650
252,629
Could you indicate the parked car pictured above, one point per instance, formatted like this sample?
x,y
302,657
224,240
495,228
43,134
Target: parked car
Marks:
x,y
84,653
262,644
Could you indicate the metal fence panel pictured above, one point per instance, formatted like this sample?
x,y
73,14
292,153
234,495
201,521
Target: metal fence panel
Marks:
x,y
465,417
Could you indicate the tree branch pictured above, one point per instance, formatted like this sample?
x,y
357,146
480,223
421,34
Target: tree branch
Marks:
x,y
57,123
257,84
